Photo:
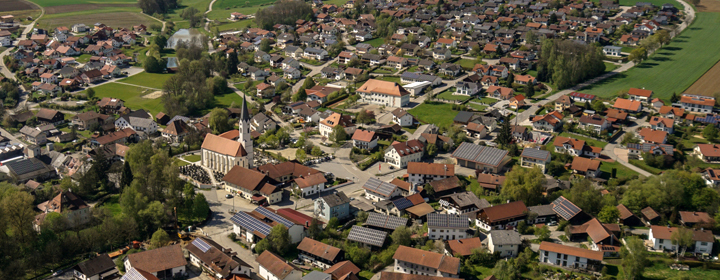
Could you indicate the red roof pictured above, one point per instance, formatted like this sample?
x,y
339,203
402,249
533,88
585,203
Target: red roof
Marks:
x,y
582,95
640,92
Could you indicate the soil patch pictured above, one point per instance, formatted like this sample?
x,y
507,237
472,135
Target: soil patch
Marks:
x,y
80,7
15,5
153,95
708,84
120,19
709,6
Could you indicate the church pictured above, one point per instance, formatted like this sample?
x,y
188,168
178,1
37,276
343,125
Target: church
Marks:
x,y
222,152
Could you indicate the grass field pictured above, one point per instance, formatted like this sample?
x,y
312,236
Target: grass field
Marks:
x,y
440,114
621,171
476,106
113,204
589,141
466,63
674,67
233,25
644,166
609,67
51,3
147,80
657,3
448,95
223,8
115,17
131,95
192,158
200,5
375,42
389,79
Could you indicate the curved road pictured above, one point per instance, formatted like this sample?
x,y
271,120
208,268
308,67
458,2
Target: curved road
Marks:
x,y
28,29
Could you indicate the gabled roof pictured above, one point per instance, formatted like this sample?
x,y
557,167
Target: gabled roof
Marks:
x,y
276,265
159,259
640,92
341,269
95,266
480,154
505,211
664,232
383,87
436,169
464,247
434,260
565,208
696,217
585,164
223,146
627,104
572,251
319,249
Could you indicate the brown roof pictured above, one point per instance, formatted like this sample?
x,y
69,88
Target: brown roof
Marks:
x,y
416,199
437,169
464,247
697,101
627,104
159,259
220,261
597,231
341,269
695,217
363,135
664,232
47,114
115,135
624,212
653,136
319,249
709,150
505,211
585,164
337,119
475,127
223,145
649,213
177,128
594,119
678,112
310,180
276,265
386,275
572,251
434,260
399,112
491,181
383,87
401,184
665,121
448,183
575,143
421,209
245,178
640,92
616,114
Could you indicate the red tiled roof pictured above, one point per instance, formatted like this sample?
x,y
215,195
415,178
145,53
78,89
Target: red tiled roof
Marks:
x,y
572,251
640,92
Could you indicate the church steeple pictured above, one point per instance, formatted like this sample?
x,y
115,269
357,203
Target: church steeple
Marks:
x,y
244,136
245,114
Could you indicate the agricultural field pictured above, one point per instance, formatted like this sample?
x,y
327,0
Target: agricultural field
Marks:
x,y
132,96
20,9
673,68
147,80
223,8
85,7
51,3
708,84
708,6
200,5
111,16
225,25
657,3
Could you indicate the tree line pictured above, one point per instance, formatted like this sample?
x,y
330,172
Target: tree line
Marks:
x,y
157,6
283,12
566,63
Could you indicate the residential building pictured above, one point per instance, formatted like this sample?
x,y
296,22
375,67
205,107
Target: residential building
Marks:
x,y
696,219
33,135
507,242
402,117
410,260
252,185
273,267
67,203
545,214
635,151
363,139
627,105
335,205
163,262
602,236
328,124
697,103
86,120
663,124
50,116
462,202
490,181
586,167
344,270
661,239
447,226
310,184
711,176
463,247
648,135
503,216
570,257
376,190
420,173
215,260
97,267
594,123
476,130
400,154
483,158
628,218
671,112
707,152
286,171
319,254
581,97
549,122
384,93
256,225
642,95
176,131
531,158
575,147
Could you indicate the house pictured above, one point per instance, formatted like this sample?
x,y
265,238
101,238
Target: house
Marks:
x,y
447,226
490,181
549,122
402,117
586,167
334,205
91,76
544,214
671,112
520,133
642,95
707,152
50,116
503,216
251,184
594,123
662,124
462,202
97,267
602,235
273,267
384,93
320,93
697,103
463,247
286,171
162,262
364,139
5,38
711,176
420,173
661,239
531,158
575,147
476,130
581,97
257,224
506,242
265,90
611,50
351,73
369,238
319,254
441,54
32,135
517,102
649,215
315,54
615,116
376,190
627,105
328,124
109,105
48,78
176,131
397,62
467,88
345,57
570,257
648,135
66,203
344,270
400,154
310,184
696,219
138,121
481,157
215,260
449,69
414,261
628,218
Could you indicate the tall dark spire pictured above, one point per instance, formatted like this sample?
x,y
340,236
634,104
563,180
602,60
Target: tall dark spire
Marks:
x,y
245,114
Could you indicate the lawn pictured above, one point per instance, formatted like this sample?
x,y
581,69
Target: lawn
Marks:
x,y
448,95
51,3
131,95
440,114
381,70
476,106
226,100
145,79
621,170
200,5
488,100
466,63
192,158
180,162
657,3
389,79
673,68
589,141
644,166
609,67
234,25
375,42
223,8
113,204
83,58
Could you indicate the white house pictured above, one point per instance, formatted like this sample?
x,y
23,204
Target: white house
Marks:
x,y
273,267
507,242
384,93
364,139
420,173
94,267
402,117
447,226
410,260
163,261
220,262
310,184
612,50
568,256
400,154
377,190
250,228
696,103
661,239
594,123
575,147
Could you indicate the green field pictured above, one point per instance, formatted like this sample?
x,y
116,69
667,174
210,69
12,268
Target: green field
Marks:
x,y
147,80
224,25
674,67
389,79
113,204
51,3
448,95
192,158
111,16
200,5
466,63
375,42
477,107
609,67
223,8
621,171
657,3
440,114
131,95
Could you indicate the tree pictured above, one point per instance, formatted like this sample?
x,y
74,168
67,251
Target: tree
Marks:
x,y
505,270
522,227
674,98
584,194
634,257
151,65
279,239
333,223
431,149
524,184
161,41
609,214
510,80
505,135
629,138
543,233
638,55
364,117
218,85
529,91
90,92
316,151
151,7
219,121
682,238
126,175
429,190
710,133
283,12
401,236
265,45
300,155
338,134
159,239
553,19
201,208
315,229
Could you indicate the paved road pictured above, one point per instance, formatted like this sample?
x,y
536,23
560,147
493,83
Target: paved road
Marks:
x,y
314,70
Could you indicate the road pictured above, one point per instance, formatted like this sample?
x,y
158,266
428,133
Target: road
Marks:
x,y
207,21
28,29
314,70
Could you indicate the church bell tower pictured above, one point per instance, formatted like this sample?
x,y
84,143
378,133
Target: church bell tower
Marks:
x,y
244,135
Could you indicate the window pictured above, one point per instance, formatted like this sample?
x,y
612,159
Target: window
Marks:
x,y
545,253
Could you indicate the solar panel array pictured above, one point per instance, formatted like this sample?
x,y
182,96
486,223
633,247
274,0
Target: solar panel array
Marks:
x,y
248,222
275,217
481,154
133,274
447,221
385,221
564,208
378,186
368,236
402,203
201,244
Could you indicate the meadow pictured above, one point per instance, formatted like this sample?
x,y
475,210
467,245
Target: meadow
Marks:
x,y
440,114
51,3
673,68
111,16
147,80
223,8
131,95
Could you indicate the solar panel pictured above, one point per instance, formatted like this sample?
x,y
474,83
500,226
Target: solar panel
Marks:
x,y
248,222
376,185
447,221
275,217
367,236
564,208
201,244
385,221
402,203
133,274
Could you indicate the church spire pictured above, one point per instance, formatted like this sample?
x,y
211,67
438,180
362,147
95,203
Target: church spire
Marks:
x,y
245,114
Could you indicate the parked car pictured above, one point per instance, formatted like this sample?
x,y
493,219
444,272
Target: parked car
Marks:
x,y
228,196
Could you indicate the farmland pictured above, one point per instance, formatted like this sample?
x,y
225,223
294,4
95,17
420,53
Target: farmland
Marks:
x,y
111,16
14,5
674,67
223,8
51,3
708,84
658,3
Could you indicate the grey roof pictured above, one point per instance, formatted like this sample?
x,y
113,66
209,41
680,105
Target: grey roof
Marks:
x,y
418,76
505,237
292,49
336,199
385,221
317,275
463,116
377,186
140,122
363,46
480,154
314,51
95,265
368,236
542,210
535,153
447,221
468,198
30,131
25,166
